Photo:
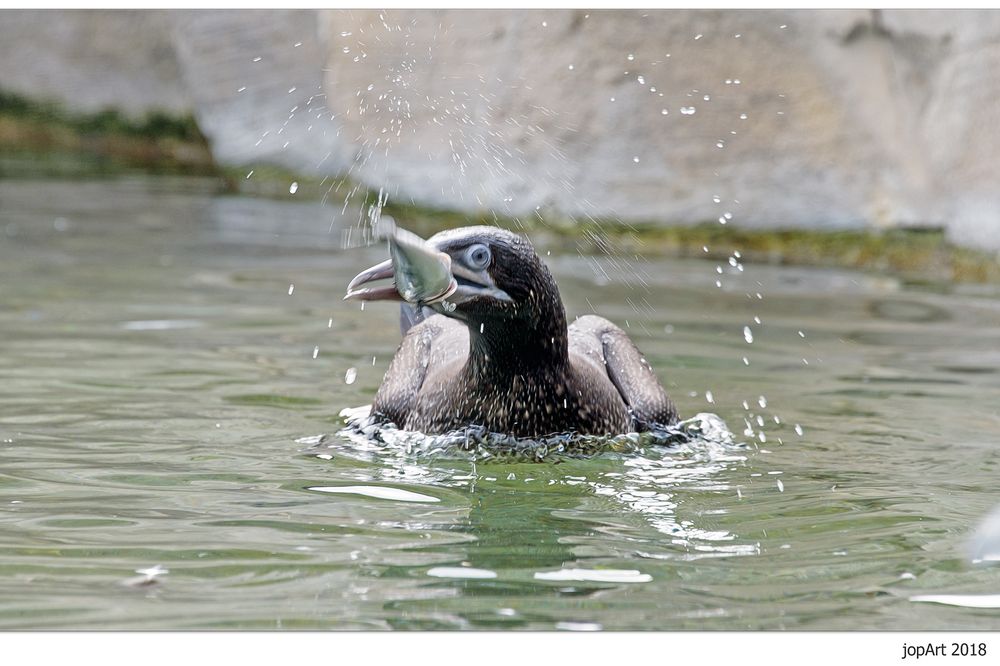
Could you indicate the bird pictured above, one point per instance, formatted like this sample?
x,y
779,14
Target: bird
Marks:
x,y
486,344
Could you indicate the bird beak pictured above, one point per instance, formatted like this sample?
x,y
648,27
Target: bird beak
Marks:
x,y
421,273
376,272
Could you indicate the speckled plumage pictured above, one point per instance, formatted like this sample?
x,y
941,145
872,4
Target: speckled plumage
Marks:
x,y
515,366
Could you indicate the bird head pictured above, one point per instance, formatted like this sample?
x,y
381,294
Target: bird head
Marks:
x,y
475,274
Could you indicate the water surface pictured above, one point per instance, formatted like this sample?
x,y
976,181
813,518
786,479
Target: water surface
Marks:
x,y
162,348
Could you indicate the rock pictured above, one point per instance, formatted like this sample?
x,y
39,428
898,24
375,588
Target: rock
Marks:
x,y
90,60
854,118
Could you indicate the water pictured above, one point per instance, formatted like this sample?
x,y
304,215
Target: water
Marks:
x,y
157,374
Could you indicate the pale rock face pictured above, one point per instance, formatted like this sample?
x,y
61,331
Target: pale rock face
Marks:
x,y
256,81
92,59
854,118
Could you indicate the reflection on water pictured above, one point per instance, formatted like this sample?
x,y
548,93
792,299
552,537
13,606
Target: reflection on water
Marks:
x,y
164,348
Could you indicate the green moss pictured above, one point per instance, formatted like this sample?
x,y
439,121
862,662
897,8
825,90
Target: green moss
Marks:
x,y
922,256
269,180
42,139
39,138
917,255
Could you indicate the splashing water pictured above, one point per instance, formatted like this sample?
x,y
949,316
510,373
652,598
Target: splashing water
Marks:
x,y
704,430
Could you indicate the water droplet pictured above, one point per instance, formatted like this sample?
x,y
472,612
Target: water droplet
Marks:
x,y
698,36
717,199
291,288
635,159
630,57
798,430
762,401
707,97
663,112
720,144
743,116
351,375
748,335
545,24
315,352
293,188
570,67
688,110
781,486
709,397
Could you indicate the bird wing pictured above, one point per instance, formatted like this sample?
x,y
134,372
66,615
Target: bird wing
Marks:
x,y
427,347
627,369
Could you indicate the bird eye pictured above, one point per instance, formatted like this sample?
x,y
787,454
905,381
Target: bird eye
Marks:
x,y
478,256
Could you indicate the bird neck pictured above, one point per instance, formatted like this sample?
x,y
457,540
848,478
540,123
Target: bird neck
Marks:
x,y
537,342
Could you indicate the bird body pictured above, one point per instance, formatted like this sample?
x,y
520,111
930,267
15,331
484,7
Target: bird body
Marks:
x,y
498,353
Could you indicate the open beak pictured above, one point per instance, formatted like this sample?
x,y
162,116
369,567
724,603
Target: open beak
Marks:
x,y
421,274
377,272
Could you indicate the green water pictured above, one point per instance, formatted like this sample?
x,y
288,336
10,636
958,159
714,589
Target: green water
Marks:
x,y
155,374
